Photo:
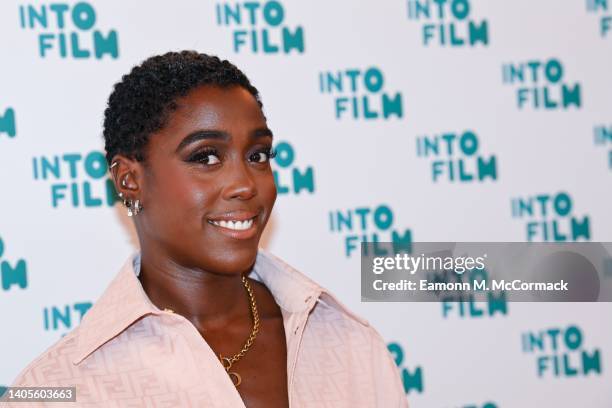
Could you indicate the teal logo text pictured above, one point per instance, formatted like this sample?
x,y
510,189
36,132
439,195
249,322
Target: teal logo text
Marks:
x,y
603,138
466,306
76,179
259,27
360,94
448,23
289,178
7,122
541,85
369,224
550,218
456,157
561,353
64,317
12,273
601,8
68,30
411,379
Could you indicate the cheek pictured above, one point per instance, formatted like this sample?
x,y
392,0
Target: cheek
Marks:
x,y
267,189
179,196
267,196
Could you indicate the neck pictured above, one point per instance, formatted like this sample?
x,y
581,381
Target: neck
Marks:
x,y
203,297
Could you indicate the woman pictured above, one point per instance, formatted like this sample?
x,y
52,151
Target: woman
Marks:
x,y
201,316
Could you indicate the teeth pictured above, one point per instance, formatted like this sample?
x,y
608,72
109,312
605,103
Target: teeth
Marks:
x,y
234,225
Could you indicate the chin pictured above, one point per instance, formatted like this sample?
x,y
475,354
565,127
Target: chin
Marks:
x,y
231,261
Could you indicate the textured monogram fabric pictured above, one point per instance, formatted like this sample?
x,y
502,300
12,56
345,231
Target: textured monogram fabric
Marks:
x,y
128,353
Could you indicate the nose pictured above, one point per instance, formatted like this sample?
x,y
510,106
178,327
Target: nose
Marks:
x,y
239,182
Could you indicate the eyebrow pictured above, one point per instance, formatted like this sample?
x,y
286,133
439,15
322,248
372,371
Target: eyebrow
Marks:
x,y
219,135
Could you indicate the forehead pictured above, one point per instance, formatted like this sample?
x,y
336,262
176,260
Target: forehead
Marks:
x,y
233,110
218,108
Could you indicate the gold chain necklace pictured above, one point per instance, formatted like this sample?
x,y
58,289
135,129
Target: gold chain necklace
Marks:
x,y
227,362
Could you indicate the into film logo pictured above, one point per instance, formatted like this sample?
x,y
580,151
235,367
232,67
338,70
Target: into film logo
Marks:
x,y
7,123
81,180
411,379
360,94
12,274
64,317
289,178
68,30
551,218
448,23
259,27
560,352
456,157
601,8
369,224
541,85
603,138
465,306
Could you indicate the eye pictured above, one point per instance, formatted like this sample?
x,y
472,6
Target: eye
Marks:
x,y
207,157
212,159
263,155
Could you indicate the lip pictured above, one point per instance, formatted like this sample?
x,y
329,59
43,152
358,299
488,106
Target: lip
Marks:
x,y
237,215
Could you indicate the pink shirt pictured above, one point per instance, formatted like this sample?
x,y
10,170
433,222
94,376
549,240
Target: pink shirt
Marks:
x,y
128,353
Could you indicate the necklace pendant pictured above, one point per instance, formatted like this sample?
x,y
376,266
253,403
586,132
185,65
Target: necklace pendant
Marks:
x,y
235,377
227,364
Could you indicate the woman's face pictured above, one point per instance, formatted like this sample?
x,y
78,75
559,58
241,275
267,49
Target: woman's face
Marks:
x,y
207,188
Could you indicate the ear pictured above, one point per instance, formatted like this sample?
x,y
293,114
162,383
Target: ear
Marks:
x,y
127,176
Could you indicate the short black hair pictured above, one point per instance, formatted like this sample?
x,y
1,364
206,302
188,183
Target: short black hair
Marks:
x,y
140,103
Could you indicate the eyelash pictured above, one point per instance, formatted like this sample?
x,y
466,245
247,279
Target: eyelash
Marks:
x,y
269,152
202,155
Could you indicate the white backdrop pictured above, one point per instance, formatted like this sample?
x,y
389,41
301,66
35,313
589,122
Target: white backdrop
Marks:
x,y
497,69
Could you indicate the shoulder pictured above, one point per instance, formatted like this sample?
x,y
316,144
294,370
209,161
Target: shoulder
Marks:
x,y
343,347
328,316
294,291
52,366
338,341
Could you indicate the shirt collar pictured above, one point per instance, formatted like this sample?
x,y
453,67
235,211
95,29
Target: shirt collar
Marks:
x,y
124,301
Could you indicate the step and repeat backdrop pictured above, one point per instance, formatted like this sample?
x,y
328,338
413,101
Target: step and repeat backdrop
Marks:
x,y
394,120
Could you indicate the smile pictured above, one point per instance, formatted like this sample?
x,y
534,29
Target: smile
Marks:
x,y
233,225
237,224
